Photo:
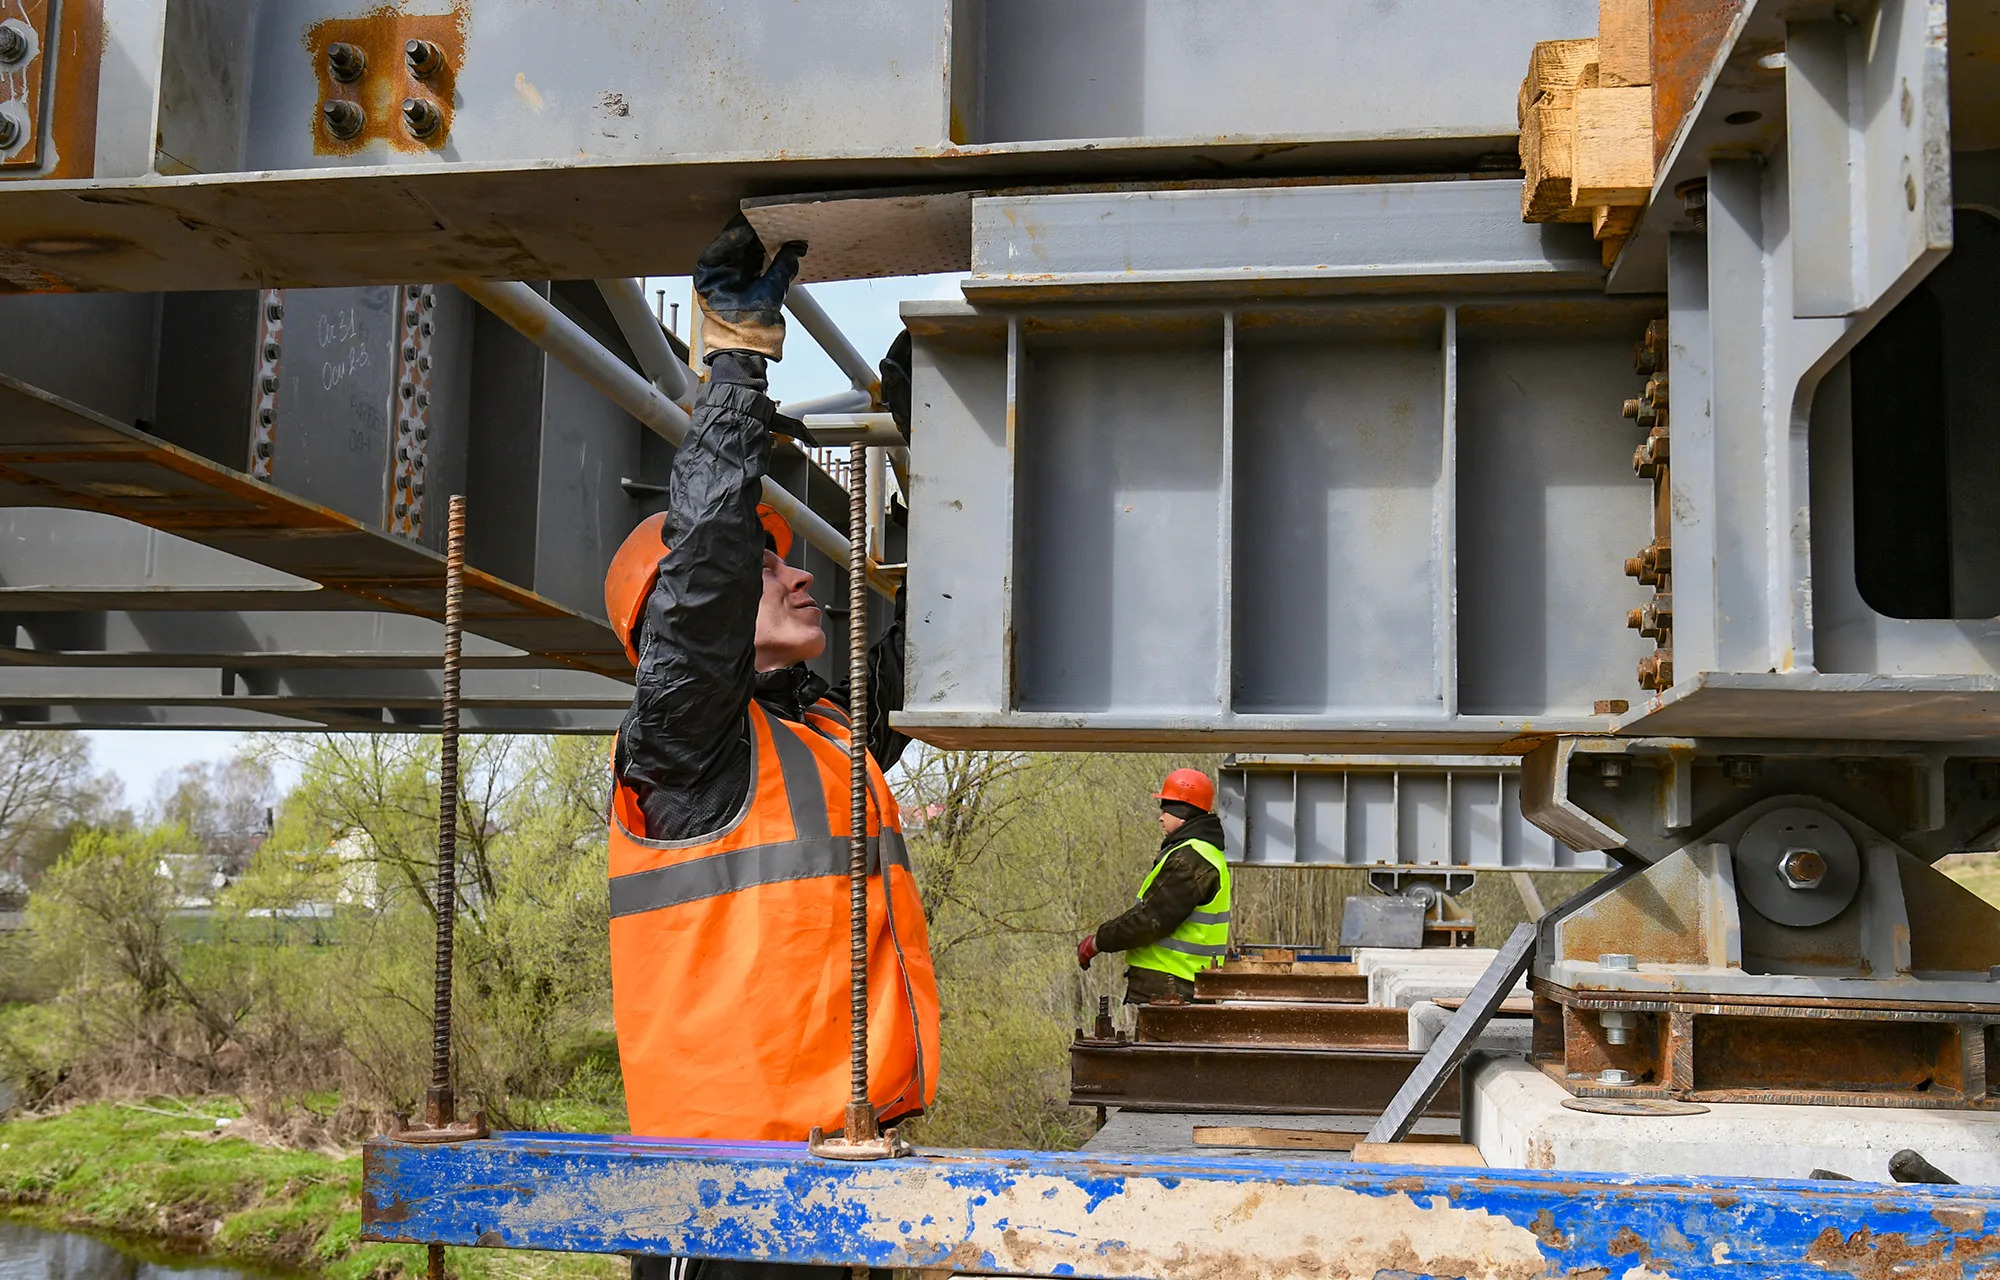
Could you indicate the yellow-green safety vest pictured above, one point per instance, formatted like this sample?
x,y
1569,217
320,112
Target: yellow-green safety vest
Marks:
x,y
1202,939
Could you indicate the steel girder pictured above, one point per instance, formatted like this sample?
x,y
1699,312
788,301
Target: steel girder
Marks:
x,y
1095,1214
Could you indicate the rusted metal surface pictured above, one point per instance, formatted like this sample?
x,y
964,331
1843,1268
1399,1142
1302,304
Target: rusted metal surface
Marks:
x,y
1339,984
1300,1026
72,104
1820,1052
1686,35
1180,1077
25,54
57,454
1100,1215
389,78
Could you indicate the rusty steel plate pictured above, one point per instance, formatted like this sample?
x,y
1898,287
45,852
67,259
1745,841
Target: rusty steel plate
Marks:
x,y
1217,1078
1341,985
1633,1106
1298,1026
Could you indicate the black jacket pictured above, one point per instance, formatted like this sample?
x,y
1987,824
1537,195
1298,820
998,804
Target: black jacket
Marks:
x,y
684,746
1186,880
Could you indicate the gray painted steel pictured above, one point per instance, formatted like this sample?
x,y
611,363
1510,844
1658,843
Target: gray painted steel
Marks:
x,y
1395,812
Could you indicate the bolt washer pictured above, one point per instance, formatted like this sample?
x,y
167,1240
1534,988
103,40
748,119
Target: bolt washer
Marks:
x,y
1763,845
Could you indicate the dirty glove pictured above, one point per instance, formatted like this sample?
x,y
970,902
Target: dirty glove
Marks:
x,y
895,370
1085,950
742,302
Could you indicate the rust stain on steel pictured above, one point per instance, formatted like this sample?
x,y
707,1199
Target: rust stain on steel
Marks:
x,y
1686,36
1299,1026
382,35
1867,1256
72,106
1339,984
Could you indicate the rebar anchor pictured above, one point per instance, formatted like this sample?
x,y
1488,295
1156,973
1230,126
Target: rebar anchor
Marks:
x,y
862,1138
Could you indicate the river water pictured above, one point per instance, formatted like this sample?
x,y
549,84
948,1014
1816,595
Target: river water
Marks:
x,y
30,1253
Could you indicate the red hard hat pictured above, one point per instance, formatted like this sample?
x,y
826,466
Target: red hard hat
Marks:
x,y
629,580
1189,786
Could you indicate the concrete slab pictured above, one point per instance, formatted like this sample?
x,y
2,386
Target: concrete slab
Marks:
x,y
1159,1133
1513,1035
1518,1122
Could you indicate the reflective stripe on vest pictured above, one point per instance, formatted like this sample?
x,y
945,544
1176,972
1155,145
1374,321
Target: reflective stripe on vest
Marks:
x,y
1201,940
741,869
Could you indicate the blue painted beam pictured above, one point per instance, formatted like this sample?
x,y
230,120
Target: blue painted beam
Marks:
x,y
1096,1215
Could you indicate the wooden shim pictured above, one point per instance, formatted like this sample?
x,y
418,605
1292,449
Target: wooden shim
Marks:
x,y
1608,221
1555,69
1427,1153
1221,1135
1624,43
1612,161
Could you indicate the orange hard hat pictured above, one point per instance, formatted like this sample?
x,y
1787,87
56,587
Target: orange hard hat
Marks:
x,y
636,563
1189,786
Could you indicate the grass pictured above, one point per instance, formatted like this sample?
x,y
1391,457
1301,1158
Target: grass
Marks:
x,y
1979,872
155,1171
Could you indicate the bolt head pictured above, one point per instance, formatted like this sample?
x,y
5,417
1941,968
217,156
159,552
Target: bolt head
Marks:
x,y
1615,1076
1802,868
10,132
14,44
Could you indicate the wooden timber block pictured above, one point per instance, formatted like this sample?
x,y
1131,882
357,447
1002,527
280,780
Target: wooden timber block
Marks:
x,y
1229,1135
1624,43
1556,68
1613,220
1608,249
1428,1153
1611,162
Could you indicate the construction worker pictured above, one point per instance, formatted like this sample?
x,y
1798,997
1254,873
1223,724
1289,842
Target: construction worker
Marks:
x,y
729,819
1180,924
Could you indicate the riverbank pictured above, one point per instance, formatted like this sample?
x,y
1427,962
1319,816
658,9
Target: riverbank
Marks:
x,y
160,1171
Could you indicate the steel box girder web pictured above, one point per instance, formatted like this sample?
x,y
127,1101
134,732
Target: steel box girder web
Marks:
x,y
1090,1214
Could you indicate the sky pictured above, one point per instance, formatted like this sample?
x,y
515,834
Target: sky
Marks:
x,y
865,310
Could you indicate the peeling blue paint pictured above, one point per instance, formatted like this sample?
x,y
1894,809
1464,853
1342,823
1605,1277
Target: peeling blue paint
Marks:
x,y
773,1201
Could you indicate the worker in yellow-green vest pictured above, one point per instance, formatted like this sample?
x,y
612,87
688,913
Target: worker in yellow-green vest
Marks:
x,y
1180,925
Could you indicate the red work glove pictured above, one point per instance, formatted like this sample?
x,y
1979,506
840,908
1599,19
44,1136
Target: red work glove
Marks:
x,y
1085,950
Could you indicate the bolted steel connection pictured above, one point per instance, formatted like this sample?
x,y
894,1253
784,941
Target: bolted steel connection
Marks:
x,y
345,62
421,116
425,58
343,118
14,45
1802,868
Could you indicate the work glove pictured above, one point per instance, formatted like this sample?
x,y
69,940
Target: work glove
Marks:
x,y
742,302
895,371
1085,950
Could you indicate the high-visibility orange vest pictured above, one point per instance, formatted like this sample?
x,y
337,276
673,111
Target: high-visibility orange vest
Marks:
x,y
730,954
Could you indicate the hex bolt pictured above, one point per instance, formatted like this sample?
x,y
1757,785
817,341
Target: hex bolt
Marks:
x,y
1618,960
10,132
1611,770
345,62
425,58
274,310
1616,1076
1618,1025
271,352
1694,202
421,434
270,383
1741,770
343,118
1802,868
421,115
263,448
14,45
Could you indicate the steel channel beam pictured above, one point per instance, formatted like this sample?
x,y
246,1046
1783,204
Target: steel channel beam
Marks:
x,y
238,639
1163,1077
1105,1215
1303,983
57,454
1274,1025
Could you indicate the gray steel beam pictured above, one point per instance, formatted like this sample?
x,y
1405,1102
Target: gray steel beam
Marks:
x,y
208,118
250,639
1408,236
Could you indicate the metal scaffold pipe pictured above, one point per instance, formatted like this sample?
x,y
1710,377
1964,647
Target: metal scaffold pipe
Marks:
x,y
814,320
541,323
648,341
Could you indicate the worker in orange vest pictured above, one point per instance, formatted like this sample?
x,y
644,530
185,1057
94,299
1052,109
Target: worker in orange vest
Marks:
x,y
730,814
1180,924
